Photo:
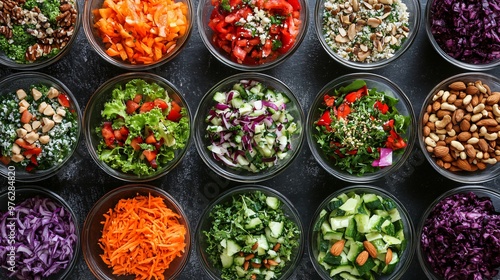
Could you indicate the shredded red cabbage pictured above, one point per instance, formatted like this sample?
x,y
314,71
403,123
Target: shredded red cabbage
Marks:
x,y
467,30
44,242
461,238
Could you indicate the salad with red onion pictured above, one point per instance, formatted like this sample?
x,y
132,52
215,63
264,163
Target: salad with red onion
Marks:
x,y
44,240
250,127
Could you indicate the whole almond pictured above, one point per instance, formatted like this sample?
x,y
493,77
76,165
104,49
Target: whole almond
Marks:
x,y
458,115
457,86
362,258
372,251
493,99
337,247
471,90
463,165
439,151
470,151
487,122
464,136
447,158
464,125
483,145
388,256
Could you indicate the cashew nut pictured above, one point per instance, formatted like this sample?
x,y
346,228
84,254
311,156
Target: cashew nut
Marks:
x,y
438,95
44,139
451,133
17,158
445,96
496,110
480,87
476,117
28,127
491,136
473,140
433,118
479,108
441,131
52,93
21,132
42,107
21,94
483,130
430,142
31,137
463,155
490,160
444,122
433,136
24,103
449,107
467,100
473,127
457,145
16,149
36,94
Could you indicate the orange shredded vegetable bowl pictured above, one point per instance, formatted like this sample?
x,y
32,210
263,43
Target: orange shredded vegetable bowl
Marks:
x,y
141,236
141,31
136,232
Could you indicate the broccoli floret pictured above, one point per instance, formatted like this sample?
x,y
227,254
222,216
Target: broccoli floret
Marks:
x,y
21,37
30,4
50,8
15,52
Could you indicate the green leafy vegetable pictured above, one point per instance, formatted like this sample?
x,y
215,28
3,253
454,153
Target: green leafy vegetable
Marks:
x,y
251,235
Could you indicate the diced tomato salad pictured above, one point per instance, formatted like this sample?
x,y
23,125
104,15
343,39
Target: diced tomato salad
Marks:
x,y
256,31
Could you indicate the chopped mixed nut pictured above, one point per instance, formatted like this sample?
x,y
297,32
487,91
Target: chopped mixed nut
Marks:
x,y
365,30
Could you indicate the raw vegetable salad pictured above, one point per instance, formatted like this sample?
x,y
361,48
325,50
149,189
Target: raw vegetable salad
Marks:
x,y
255,32
44,242
142,128
251,237
250,126
355,224
39,128
141,236
460,238
360,128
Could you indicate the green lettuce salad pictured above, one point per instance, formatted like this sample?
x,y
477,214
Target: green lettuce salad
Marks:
x,y
142,128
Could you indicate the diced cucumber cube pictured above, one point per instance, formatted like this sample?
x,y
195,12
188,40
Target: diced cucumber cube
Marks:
x,y
341,268
340,221
354,250
372,201
238,103
362,222
239,260
262,241
348,276
253,223
388,228
394,213
244,108
242,160
333,235
269,275
276,228
232,247
350,205
240,271
273,202
220,97
373,236
391,240
226,260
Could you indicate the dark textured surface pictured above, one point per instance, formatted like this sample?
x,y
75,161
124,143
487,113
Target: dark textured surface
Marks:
x,y
305,183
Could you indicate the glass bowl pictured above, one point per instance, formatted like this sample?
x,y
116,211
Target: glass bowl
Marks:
x,y
346,38
55,44
93,227
379,239
456,242
440,47
450,161
10,200
177,148
246,170
399,156
267,202
154,54
253,23
57,144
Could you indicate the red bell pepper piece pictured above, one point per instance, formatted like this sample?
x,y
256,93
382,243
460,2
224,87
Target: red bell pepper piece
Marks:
x,y
325,119
395,141
63,100
329,100
382,107
343,110
355,95
132,106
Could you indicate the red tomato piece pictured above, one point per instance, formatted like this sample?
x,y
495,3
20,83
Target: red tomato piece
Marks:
x,y
150,139
63,100
135,143
175,112
343,110
147,106
150,155
295,4
137,98
132,106
160,103
325,119
108,134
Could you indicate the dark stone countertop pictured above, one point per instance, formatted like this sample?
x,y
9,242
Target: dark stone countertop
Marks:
x,y
305,183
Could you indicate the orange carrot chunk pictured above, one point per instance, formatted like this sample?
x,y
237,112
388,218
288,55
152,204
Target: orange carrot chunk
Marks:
x,y
138,25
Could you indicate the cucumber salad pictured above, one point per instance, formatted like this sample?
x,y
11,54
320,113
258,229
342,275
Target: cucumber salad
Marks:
x,y
360,128
250,237
250,127
39,128
359,236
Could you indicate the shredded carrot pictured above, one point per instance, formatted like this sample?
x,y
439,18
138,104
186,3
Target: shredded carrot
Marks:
x,y
141,237
141,31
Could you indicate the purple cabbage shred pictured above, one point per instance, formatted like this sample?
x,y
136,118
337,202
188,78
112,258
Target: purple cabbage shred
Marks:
x,y
461,238
44,241
467,30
